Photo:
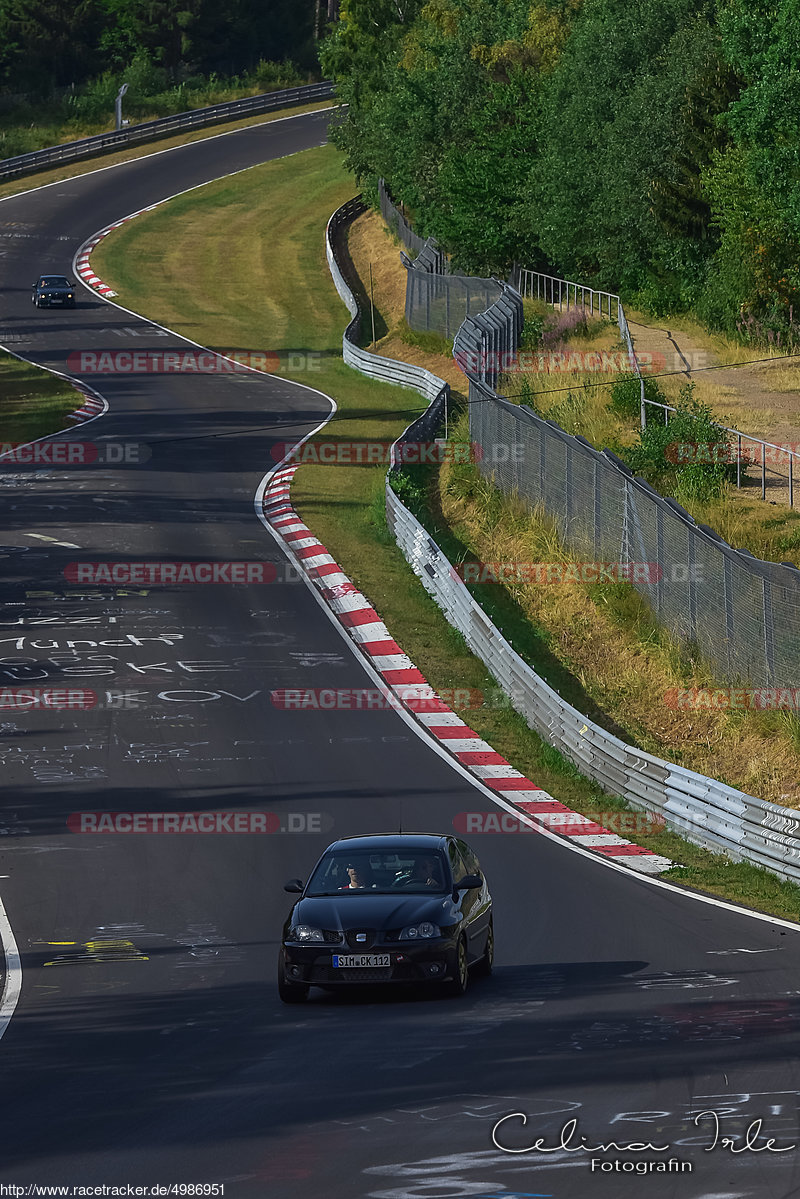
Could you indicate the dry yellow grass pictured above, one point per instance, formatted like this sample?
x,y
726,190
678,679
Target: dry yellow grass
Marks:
x,y
370,244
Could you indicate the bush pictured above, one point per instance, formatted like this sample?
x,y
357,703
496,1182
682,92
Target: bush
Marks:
x,y
626,398
657,456
409,487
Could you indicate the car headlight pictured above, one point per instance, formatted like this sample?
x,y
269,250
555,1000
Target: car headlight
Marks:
x,y
416,931
304,932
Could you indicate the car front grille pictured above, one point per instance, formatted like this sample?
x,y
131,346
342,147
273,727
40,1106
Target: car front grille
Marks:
x,y
351,935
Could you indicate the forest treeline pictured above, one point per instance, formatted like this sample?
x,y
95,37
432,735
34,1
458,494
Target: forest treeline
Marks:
x,y
649,146
49,44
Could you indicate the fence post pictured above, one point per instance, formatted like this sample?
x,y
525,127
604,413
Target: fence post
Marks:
x,y
660,559
769,630
727,596
690,562
598,509
568,487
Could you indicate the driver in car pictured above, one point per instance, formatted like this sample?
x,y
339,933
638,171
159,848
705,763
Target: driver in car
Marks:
x,y
425,872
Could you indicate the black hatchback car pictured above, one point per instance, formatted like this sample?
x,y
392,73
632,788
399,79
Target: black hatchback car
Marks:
x,y
53,289
402,908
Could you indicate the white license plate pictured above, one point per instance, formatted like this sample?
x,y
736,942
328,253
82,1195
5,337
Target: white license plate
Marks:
x,y
345,960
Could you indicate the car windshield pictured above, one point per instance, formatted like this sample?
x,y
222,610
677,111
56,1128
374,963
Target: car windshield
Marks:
x,y
54,281
384,871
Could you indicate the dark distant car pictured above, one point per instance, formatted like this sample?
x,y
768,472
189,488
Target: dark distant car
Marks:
x,y
402,908
53,289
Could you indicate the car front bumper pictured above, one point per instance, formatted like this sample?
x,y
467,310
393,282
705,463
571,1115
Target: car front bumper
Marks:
x,y
312,965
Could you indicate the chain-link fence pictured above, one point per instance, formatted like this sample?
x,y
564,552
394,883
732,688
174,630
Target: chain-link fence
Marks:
x,y
436,301
397,222
743,614
441,303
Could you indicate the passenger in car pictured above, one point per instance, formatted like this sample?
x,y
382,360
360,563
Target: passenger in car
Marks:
x,y
360,879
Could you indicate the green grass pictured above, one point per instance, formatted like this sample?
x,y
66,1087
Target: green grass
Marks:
x,y
33,402
273,218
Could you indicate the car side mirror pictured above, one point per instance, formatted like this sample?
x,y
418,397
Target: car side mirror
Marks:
x,y
294,886
470,882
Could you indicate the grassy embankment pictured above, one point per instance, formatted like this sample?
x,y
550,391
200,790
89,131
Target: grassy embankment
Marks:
x,y
266,226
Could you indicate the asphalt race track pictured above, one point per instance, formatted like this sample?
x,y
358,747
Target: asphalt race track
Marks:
x,y
149,1045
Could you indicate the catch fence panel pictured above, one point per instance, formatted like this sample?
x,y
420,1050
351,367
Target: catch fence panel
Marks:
x,y
742,614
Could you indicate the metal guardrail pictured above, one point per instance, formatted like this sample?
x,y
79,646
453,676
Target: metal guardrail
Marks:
x,y
148,131
707,812
388,370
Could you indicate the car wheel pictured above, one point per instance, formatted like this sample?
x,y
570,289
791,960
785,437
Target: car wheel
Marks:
x,y
483,968
458,985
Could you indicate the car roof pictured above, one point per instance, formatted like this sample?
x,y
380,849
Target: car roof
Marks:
x,y
388,841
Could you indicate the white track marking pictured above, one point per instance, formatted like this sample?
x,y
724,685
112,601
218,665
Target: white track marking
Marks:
x,y
12,984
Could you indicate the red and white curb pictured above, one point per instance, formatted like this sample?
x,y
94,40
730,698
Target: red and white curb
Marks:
x,y
367,630
91,407
82,264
